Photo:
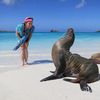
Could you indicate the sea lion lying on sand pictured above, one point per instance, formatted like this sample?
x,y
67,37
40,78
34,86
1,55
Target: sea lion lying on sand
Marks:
x,y
96,58
72,65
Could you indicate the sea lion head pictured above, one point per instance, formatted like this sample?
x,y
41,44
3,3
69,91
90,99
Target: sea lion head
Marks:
x,y
70,31
69,39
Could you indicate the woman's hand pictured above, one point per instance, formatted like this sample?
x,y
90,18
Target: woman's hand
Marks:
x,y
26,44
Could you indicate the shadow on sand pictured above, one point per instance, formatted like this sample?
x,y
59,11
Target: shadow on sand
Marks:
x,y
40,62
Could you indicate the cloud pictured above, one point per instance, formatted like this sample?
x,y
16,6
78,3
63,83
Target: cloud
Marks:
x,y
81,4
63,0
9,2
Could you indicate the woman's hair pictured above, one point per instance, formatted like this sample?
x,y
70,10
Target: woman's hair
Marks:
x,y
28,19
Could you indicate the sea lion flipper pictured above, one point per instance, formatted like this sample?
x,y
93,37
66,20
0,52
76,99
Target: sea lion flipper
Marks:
x,y
52,71
72,80
84,86
51,77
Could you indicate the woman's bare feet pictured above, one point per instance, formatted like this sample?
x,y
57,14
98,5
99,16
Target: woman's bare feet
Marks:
x,y
26,63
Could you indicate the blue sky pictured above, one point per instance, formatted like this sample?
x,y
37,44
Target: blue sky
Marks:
x,y
82,15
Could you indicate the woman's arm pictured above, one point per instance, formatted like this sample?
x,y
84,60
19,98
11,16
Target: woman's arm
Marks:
x,y
18,35
27,41
29,37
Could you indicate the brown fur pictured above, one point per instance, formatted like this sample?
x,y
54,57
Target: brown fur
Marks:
x,y
72,65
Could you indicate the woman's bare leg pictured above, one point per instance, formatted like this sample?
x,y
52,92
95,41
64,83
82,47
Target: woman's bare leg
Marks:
x,y
26,53
23,55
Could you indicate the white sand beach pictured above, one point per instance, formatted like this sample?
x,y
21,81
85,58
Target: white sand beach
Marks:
x,y
35,29
23,83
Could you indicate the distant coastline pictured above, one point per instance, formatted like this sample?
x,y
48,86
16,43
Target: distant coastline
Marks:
x,y
6,31
52,30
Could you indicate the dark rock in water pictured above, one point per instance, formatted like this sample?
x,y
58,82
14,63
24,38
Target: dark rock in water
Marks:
x,y
54,30
98,31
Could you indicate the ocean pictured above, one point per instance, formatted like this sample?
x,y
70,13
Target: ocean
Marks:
x,y
42,42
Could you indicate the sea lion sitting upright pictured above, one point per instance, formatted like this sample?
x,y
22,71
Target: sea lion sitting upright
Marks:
x,y
69,65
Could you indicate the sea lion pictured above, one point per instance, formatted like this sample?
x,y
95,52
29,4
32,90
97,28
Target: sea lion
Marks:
x,y
96,58
72,65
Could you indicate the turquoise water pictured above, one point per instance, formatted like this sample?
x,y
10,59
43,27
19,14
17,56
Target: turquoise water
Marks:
x,y
44,41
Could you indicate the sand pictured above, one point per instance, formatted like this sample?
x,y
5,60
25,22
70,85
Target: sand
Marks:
x,y
23,83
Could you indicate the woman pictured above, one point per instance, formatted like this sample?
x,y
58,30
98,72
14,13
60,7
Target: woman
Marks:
x,y
25,28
